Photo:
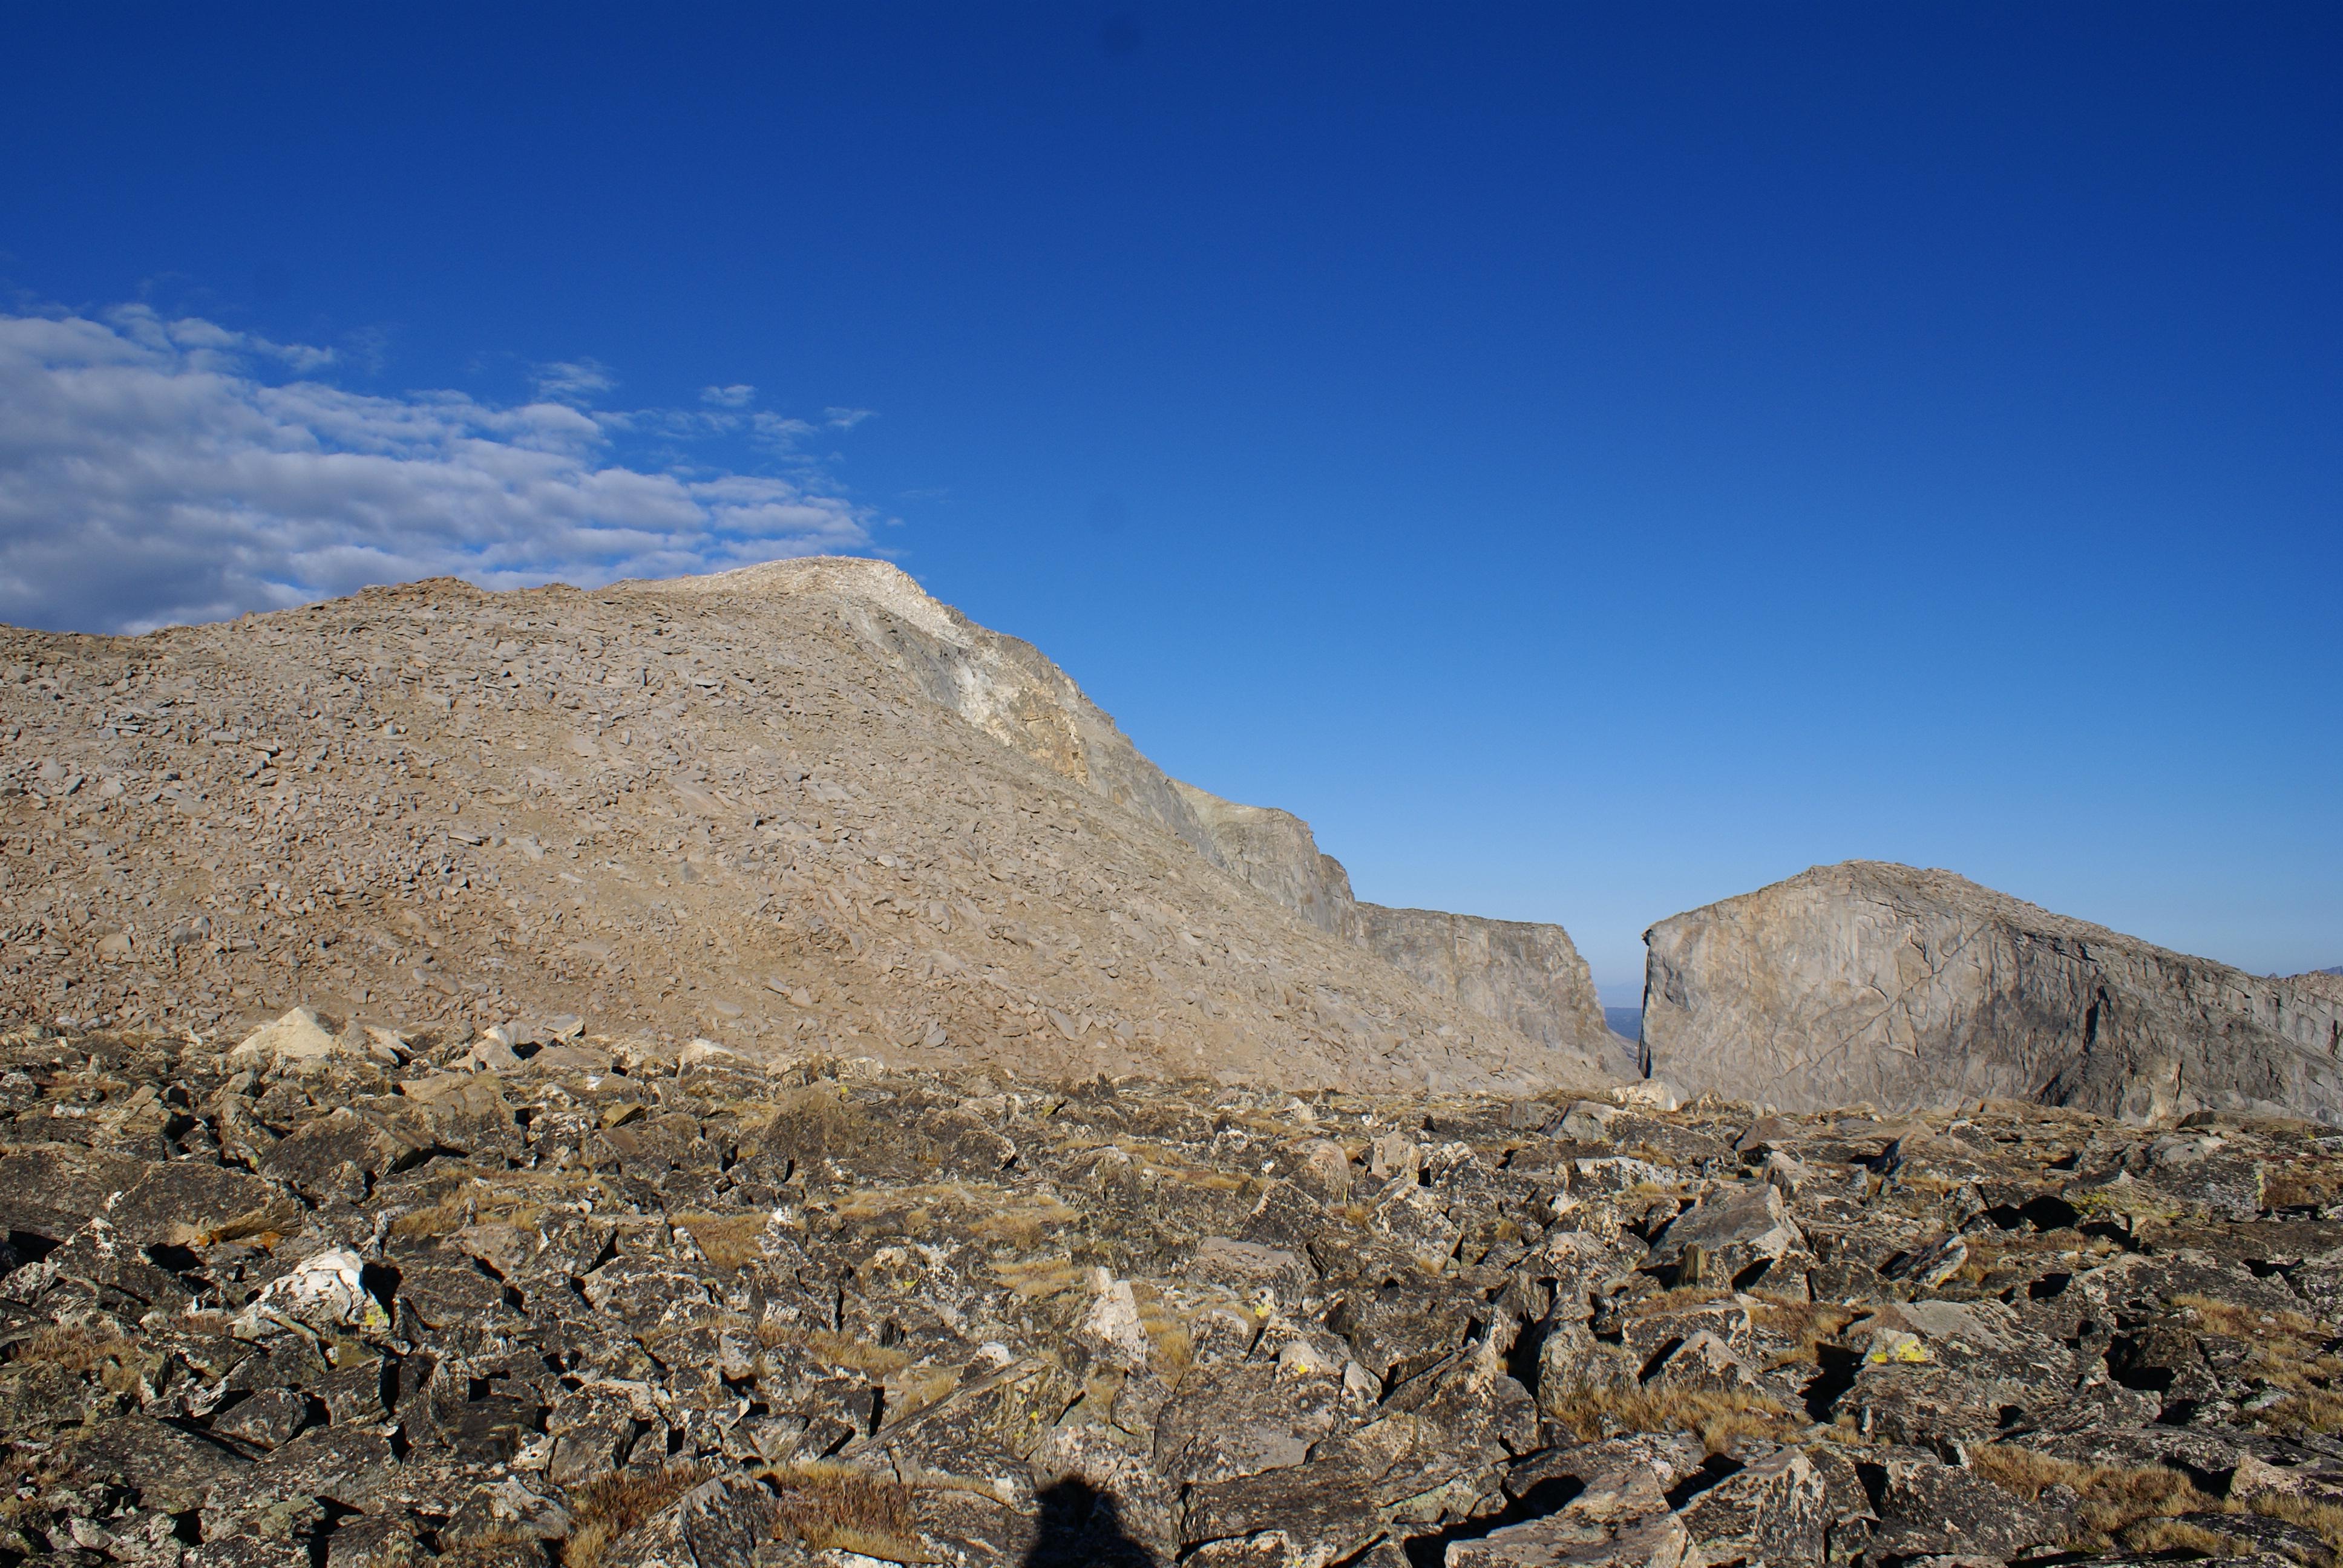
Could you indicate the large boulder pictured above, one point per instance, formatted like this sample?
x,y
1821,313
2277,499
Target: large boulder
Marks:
x,y
1874,982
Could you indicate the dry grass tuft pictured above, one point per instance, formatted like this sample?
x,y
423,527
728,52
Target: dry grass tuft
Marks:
x,y
498,1546
36,1474
1805,1324
2289,1353
834,1507
2324,1519
1594,1413
2114,1498
115,1360
439,1219
2245,1322
606,1507
725,1241
1674,1301
2179,1536
834,1349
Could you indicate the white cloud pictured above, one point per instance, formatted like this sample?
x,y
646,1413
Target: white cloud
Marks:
x,y
726,397
844,418
149,475
573,381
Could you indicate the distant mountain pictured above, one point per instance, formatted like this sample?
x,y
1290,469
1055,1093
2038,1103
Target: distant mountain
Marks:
x,y
1626,1023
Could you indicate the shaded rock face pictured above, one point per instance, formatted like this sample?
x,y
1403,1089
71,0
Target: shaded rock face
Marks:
x,y
1875,982
607,1305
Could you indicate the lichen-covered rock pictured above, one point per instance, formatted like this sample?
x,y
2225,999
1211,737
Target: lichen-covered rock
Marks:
x,y
1146,1338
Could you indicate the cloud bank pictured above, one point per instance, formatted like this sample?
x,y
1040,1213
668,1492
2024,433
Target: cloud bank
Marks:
x,y
152,473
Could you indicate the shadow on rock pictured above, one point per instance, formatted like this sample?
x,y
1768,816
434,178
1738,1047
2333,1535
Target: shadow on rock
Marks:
x,y
1078,1526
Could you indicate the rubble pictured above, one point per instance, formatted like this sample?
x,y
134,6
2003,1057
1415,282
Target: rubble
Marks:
x,y
617,1305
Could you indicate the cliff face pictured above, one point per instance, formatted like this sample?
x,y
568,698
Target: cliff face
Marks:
x,y
1526,975
1874,982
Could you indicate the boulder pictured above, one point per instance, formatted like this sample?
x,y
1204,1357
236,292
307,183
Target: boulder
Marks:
x,y
1734,1229
294,1039
1621,1519
1776,1508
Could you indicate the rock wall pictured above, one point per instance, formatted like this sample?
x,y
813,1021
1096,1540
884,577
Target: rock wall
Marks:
x,y
1275,852
1523,974
1874,982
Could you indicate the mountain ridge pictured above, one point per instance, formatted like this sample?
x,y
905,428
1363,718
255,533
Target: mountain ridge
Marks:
x,y
753,807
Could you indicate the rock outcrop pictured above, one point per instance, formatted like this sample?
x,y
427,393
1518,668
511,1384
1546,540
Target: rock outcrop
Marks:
x,y
1878,982
1526,975
1523,974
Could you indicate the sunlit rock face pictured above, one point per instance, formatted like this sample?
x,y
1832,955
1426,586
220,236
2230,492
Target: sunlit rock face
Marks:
x,y
1904,988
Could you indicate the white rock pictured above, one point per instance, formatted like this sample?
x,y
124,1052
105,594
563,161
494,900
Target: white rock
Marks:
x,y
1113,1327
325,1288
295,1037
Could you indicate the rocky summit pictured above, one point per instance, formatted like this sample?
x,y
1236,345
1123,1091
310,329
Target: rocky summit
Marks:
x,y
800,806
359,1297
1876,981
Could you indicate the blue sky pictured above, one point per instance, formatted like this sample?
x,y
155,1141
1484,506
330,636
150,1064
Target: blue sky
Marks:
x,y
1587,460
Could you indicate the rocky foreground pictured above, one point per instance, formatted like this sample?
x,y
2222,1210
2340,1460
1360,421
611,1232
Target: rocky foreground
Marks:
x,y
346,1295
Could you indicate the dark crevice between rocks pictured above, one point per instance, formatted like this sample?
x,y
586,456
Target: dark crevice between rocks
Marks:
x,y
1836,1373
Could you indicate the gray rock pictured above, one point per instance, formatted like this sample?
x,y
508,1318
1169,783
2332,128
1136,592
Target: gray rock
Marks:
x,y
1874,981
1777,1509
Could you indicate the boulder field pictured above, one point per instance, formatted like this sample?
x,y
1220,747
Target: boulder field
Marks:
x,y
350,1295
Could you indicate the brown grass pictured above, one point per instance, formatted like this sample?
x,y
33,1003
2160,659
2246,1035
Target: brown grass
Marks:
x,y
2302,1183
1594,1413
498,1546
117,1361
726,1241
2114,1498
2136,1509
439,1219
606,1507
834,1349
1805,1324
2289,1351
2179,1536
1674,1301
38,1473
834,1507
